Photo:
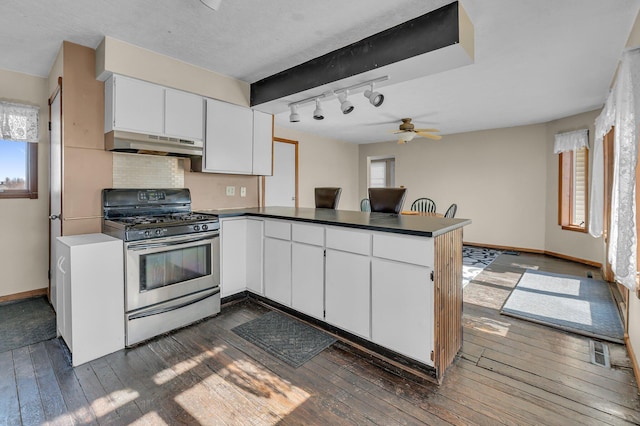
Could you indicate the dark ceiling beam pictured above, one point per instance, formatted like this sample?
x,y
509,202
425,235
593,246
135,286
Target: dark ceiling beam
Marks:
x,y
434,30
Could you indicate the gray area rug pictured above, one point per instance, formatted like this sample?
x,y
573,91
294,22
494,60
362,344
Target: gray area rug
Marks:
x,y
285,338
25,322
581,305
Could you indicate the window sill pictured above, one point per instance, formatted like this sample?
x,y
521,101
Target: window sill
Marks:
x,y
575,228
18,194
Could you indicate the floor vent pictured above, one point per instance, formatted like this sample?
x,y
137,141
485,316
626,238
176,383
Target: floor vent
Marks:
x,y
599,353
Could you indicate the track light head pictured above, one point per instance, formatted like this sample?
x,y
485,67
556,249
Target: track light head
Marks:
x,y
318,114
375,98
294,117
345,105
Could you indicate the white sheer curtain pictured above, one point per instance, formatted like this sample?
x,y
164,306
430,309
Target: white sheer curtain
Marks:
x,y
571,141
622,110
18,122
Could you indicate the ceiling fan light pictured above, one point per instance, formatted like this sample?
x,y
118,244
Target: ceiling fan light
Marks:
x,y
294,117
375,98
318,114
345,105
406,137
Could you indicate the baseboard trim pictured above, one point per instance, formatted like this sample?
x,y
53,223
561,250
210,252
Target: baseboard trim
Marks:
x,y
632,355
24,295
537,251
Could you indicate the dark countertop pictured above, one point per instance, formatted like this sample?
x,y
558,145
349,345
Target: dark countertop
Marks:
x,y
425,226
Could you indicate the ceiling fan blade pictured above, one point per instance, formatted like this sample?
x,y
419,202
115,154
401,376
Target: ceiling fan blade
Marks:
x,y
426,130
395,132
429,136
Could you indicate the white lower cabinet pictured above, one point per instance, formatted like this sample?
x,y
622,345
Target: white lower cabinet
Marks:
x,y
277,270
233,253
307,279
402,308
254,255
90,276
347,291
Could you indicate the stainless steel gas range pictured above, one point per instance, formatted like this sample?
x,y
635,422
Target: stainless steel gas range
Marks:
x,y
171,257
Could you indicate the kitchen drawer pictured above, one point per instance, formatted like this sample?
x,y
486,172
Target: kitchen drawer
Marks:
x,y
349,240
277,229
403,248
308,234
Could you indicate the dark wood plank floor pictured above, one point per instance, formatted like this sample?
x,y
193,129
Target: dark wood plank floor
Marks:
x,y
508,372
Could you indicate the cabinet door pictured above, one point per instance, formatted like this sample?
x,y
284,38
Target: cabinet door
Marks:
x,y
228,139
277,270
347,291
402,308
184,115
307,279
262,143
138,106
233,253
254,256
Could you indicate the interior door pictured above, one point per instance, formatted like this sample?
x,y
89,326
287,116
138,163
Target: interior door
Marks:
x,y
55,188
281,189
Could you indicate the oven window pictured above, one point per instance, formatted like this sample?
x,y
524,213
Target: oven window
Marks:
x,y
174,266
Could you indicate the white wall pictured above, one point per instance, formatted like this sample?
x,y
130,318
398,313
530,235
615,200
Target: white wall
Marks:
x,y
496,177
324,162
24,224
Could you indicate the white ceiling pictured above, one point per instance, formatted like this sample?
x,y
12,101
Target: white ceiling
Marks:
x,y
535,61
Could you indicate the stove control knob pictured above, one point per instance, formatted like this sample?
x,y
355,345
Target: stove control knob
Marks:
x,y
205,227
158,232
147,233
196,227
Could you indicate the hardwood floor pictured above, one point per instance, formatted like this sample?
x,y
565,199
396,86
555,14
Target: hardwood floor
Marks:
x,y
508,372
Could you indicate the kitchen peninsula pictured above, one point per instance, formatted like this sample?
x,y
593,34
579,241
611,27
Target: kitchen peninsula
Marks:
x,y
392,282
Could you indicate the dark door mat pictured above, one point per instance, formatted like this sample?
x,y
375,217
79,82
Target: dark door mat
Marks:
x,y
285,338
25,322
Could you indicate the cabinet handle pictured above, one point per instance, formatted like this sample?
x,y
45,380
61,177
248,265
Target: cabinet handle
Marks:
x,y
60,261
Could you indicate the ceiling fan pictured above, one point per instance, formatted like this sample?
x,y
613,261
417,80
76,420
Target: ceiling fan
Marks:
x,y
407,132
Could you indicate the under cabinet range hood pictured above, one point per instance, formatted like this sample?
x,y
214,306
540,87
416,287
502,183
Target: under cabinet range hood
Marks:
x,y
137,143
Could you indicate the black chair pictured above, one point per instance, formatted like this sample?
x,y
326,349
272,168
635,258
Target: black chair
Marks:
x,y
451,211
423,205
327,198
387,200
365,205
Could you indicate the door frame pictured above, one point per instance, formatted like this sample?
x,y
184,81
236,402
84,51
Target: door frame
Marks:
x,y
281,140
56,92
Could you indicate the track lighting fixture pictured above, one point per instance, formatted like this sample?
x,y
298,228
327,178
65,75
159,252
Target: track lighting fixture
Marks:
x,y
375,98
294,117
345,105
318,114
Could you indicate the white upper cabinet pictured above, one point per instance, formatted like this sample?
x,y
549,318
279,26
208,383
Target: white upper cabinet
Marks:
x,y
133,105
262,143
229,138
138,106
184,115
238,140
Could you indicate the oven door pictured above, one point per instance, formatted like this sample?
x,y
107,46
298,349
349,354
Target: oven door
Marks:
x,y
163,269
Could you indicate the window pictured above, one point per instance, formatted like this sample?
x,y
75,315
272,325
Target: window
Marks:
x,y
573,178
382,173
18,151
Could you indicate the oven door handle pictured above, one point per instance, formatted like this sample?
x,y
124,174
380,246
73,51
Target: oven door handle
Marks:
x,y
147,246
172,308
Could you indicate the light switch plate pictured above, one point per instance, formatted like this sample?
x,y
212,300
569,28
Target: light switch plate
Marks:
x,y
231,191
243,191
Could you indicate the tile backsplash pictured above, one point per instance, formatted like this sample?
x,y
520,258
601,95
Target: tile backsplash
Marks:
x,y
147,171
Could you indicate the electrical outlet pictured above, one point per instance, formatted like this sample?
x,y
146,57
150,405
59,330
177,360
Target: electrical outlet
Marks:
x,y
231,191
243,191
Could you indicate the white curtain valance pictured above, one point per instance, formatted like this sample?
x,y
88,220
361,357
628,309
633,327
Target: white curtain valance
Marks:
x,y
19,122
571,141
